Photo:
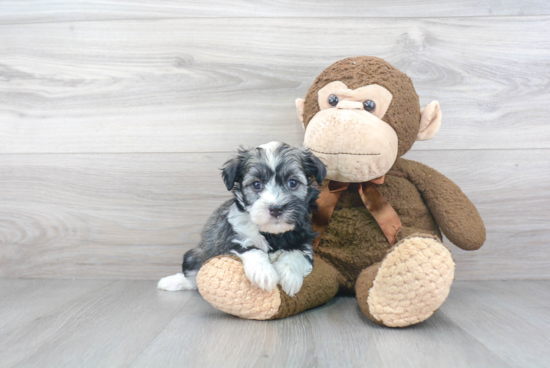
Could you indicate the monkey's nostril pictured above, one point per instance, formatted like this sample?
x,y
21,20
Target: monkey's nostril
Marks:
x,y
275,211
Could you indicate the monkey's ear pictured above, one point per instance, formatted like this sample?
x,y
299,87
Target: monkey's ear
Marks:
x,y
300,110
430,121
314,167
230,171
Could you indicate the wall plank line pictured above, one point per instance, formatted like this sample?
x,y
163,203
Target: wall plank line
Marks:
x,y
134,215
36,11
204,85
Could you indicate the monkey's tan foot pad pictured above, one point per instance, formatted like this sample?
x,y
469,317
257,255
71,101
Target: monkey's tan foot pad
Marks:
x,y
410,284
223,283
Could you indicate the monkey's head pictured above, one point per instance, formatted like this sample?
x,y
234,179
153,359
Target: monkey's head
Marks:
x,y
361,114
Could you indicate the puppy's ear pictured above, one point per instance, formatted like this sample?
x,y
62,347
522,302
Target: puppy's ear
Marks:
x,y
231,170
313,166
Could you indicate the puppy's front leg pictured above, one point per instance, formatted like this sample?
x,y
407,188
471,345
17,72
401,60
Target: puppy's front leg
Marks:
x,y
292,266
258,268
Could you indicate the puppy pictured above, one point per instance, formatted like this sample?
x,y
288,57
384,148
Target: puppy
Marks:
x,y
267,223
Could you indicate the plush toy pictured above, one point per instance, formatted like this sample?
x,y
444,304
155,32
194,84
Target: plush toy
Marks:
x,y
380,216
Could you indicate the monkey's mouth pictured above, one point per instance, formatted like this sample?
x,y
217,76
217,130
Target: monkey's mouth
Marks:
x,y
345,153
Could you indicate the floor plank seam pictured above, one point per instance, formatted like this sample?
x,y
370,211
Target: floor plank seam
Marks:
x,y
496,354
159,331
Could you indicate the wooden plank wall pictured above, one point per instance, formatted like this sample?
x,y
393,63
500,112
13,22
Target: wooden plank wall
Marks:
x,y
115,117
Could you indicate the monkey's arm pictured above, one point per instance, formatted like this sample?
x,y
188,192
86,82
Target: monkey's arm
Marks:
x,y
454,213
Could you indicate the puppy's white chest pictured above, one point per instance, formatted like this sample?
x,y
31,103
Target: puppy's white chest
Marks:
x,y
247,232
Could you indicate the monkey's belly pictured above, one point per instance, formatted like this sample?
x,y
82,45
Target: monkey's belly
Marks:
x,y
354,241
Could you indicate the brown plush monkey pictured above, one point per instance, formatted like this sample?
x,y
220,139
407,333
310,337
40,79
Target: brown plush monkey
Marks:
x,y
379,215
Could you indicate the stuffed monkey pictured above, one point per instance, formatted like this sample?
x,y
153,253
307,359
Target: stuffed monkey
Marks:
x,y
380,216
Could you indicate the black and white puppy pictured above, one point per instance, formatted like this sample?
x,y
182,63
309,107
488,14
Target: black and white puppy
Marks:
x,y
267,223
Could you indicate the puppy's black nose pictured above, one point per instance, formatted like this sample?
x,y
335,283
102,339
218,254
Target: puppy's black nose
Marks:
x,y
275,211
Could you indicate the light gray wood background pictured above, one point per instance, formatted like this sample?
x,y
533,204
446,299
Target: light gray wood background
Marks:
x,y
115,117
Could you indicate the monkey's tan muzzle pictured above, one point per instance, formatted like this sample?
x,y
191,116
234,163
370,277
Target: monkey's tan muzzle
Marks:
x,y
355,145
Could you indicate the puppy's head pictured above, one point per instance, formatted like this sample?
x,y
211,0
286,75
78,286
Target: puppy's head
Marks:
x,y
273,183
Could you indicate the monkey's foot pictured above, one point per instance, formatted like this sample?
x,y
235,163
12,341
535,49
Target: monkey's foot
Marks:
x,y
410,283
223,283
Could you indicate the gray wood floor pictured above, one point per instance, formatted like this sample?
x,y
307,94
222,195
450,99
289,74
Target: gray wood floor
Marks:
x,y
105,323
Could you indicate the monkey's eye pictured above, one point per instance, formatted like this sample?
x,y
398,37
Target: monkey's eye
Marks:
x,y
257,185
333,100
369,105
292,183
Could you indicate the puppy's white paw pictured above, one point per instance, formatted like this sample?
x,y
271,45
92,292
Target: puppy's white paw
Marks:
x,y
176,282
259,270
263,276
292,267
291,282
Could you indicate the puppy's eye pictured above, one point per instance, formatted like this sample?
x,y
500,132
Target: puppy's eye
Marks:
x,y
257,185
369,105
292,183
333,100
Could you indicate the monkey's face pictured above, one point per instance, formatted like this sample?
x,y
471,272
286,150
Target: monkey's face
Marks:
x,y
349,135
359,133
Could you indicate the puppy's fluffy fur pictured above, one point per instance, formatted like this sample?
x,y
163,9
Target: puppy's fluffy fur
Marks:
x,y
266,224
